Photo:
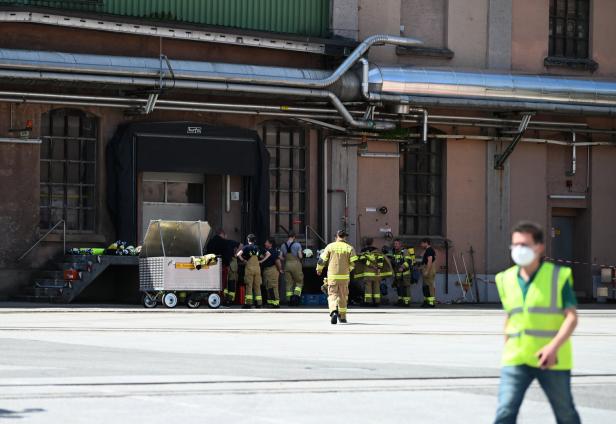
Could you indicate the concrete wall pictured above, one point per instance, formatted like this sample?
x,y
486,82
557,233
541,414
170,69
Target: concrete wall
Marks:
x,y
467,33
466,192
425,20
380,17
345,18
603,34
603,206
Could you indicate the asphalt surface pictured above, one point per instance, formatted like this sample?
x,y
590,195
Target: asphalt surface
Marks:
x,y
129,365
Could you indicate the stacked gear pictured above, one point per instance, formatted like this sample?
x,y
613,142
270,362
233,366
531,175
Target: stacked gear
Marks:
x,y
402,264
205,261
89,251
372,266
122,248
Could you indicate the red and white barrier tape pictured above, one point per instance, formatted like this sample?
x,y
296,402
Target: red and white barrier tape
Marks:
x,y
565,261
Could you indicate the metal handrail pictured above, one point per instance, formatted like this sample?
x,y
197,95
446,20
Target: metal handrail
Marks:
x,y
63,222
308,227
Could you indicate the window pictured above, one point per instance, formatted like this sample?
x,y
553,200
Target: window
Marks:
x,y
421,188
68,170
569,22
287,178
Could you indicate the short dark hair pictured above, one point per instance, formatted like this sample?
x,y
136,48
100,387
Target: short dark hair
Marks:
x,y
397,240
271,241
291,234
426,240
529,227
220,231
251,238
368,241
341,233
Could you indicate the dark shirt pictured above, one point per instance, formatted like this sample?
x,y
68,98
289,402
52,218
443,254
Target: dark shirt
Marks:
x,y
251,250
430,252
271,261
222,247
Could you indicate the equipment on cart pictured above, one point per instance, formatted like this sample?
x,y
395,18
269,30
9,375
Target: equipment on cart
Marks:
x,y
172,265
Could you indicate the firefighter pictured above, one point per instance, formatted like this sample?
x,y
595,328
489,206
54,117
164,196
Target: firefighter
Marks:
x,y
339,257
428,273
252,256
272,268
375,266
402,263
291,252
221,246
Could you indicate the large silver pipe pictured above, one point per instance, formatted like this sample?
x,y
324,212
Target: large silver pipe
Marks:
x,y
445,84
155,83
192,70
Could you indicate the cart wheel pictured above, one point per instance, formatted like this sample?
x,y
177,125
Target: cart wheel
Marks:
x,y
193,303
170,300
149,301
213,300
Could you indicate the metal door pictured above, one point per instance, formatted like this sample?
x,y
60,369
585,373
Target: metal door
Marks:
x,y
172,196
562,237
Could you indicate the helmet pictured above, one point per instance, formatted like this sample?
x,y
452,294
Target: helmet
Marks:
x,y
308,253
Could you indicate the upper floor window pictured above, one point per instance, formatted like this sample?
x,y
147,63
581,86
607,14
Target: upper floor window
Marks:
x,y
287,178
421,206
569,28
68,170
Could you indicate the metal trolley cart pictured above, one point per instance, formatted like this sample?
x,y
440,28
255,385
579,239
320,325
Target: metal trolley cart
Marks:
x,y
167,268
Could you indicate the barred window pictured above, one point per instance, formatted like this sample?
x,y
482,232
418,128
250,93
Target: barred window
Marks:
x,y
68,170
569,28
287,178
421,188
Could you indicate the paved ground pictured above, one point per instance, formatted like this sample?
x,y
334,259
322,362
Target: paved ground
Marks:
x,y
117,365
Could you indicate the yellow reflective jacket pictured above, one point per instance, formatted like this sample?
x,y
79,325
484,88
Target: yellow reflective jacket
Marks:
x,y
340,259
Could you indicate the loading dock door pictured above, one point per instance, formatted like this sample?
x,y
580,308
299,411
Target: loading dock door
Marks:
x,y
171,196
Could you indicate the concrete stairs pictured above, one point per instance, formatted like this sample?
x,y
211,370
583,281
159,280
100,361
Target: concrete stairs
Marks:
x,y
49,286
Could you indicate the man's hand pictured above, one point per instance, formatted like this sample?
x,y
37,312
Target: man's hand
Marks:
x,y
319,273
547,356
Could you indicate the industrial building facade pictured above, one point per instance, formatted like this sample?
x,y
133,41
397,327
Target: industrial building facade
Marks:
x,y
107,154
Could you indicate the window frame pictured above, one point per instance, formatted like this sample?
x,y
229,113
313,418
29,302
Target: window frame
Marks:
x,y
555,17
433,148
48,138
275,187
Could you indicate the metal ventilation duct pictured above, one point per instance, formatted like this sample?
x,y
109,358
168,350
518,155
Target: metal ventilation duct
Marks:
x,y
453,84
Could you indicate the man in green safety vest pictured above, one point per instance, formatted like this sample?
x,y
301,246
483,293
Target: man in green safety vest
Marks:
x,y
540,304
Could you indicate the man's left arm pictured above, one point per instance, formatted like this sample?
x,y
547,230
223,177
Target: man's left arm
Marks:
x,y
547,355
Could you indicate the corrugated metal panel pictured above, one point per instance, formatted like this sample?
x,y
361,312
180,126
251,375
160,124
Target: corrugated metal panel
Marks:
x,y
301,17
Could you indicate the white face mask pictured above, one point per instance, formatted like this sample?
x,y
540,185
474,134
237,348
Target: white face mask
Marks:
x,y
523,255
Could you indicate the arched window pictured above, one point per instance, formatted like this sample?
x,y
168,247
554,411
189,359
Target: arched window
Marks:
x,y
287,178
68,170
421,180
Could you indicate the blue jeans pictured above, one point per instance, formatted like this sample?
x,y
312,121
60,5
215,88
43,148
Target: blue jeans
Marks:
x,y
555,384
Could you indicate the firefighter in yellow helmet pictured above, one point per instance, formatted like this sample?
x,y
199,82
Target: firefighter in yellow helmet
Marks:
x,y
372,266
402,263
291,252
252,256
339,257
